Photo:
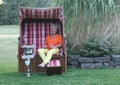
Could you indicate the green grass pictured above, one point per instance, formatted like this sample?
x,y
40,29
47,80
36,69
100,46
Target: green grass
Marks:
x,y
9,30
72,77
9,70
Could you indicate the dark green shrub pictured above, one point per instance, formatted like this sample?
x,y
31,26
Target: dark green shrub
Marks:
x,y
96,47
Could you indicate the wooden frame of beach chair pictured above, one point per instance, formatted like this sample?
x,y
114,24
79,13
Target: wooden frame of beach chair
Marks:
x,y
35,24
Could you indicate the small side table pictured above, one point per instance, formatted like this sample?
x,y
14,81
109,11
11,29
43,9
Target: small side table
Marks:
x,y
28,53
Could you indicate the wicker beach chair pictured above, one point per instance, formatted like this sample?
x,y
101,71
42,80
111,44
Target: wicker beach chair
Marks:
x,y
35,24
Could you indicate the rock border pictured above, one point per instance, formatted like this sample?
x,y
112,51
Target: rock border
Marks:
x,y
77,61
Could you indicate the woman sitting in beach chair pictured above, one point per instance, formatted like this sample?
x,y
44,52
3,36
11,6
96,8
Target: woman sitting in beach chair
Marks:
x,y
52,44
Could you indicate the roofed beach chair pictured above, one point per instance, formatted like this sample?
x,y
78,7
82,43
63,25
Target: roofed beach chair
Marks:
x,y
35,25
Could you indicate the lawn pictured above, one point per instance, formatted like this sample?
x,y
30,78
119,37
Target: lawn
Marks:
x,y
9,70
9,30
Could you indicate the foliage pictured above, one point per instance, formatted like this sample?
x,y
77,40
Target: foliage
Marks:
x,y
9,10
91,17
96,47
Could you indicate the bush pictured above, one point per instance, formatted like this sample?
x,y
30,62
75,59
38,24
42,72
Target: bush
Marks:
x,y
96,47
9,11
75,51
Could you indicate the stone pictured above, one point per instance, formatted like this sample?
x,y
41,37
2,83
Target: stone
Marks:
x,y
73,60
98,65
117,67
87,65
117,63
85,59
106,64
102,59
111,63
115,58
91,65
76,61
70,66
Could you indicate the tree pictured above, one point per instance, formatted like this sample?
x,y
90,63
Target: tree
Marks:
x,y
9,11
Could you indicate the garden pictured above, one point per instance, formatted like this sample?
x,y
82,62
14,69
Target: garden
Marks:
x,y
9,67
92,32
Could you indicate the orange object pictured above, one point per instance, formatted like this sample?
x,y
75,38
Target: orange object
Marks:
x,y
53,41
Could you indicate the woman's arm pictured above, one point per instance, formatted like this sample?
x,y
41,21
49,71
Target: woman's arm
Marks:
x,y
58,46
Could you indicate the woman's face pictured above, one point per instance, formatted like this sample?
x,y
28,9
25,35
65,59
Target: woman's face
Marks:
x,y
53,30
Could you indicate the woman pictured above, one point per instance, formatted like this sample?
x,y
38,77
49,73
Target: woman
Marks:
x,y
52,44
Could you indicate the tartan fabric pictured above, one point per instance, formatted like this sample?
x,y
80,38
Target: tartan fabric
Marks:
x,y
35,24
54,63
41,13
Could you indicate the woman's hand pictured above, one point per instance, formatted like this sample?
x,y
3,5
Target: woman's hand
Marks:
x,y
52,46
58,46
45,46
